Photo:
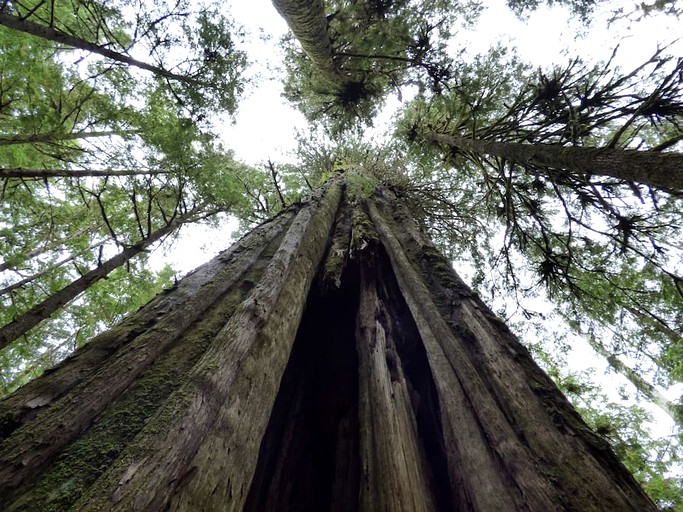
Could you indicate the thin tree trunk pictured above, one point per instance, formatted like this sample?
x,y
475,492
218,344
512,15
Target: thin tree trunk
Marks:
x,y
57,137
647,389
306,19
37,275
42,311
660,170
333,362
57,36
75,173
5,265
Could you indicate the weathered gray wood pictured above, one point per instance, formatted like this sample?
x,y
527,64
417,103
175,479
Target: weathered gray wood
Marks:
x,y
422,399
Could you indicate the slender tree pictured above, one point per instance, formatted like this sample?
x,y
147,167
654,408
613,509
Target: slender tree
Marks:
x,y
661,170
75,173
217,392
43,310
48,138
57,36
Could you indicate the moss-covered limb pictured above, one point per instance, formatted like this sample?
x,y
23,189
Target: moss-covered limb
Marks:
x,y
393,475
200,450
489,467
37,441
584,474
38,395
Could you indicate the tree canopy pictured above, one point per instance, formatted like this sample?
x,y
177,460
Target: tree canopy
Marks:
x,y
557,187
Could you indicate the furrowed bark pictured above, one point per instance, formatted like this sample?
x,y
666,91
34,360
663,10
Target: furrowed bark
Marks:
x,y
212,279
338,365
37,442
213,430
660,170
306,19
393,473
493,397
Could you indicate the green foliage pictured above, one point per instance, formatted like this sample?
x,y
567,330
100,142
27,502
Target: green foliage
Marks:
x,y
101,306
377,47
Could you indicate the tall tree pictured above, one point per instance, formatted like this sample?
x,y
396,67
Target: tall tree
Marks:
x,y
38,313
429,401
661,170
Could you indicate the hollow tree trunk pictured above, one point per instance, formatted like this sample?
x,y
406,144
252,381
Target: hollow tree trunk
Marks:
x,y
330,360
661,170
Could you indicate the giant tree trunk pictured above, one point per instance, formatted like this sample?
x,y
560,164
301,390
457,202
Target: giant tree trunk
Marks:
x,y
661,170
330,360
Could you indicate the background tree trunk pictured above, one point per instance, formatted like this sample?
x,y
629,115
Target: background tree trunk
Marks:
x,y
48,138
43,310
660,170
57,36
285,375
306,19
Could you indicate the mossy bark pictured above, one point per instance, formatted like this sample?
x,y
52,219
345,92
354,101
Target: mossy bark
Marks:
x,y
306,19
331,361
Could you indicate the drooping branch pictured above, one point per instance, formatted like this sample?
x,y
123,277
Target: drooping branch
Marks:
x,y
47,138
37,275
43,310
57,36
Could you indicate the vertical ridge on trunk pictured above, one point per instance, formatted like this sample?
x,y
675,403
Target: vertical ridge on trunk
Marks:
x,y
332,360
567,463
393,475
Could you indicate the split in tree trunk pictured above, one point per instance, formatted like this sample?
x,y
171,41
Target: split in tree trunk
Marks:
x,y
331,360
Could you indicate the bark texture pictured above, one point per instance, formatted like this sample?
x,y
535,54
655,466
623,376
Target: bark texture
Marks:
x,y
330,360
306,19
660,170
